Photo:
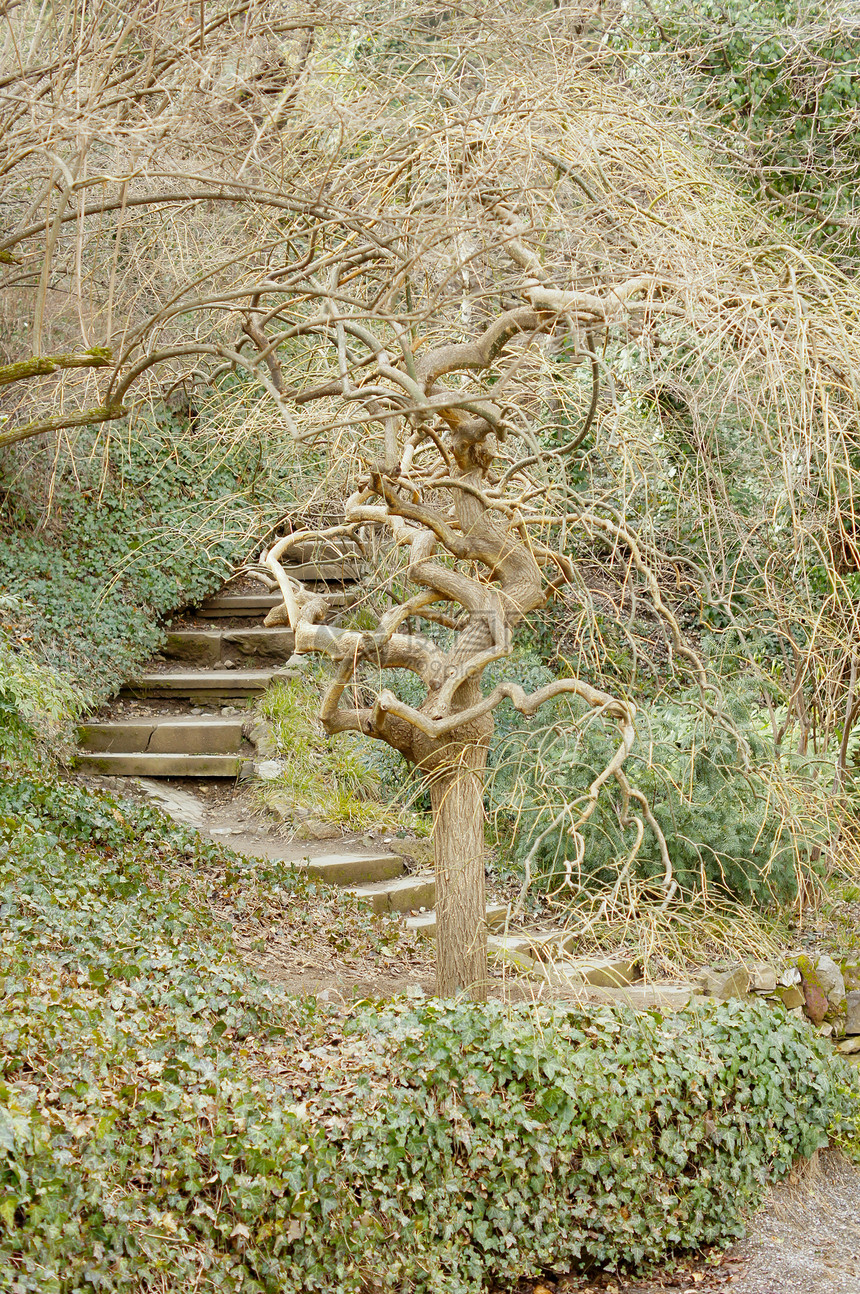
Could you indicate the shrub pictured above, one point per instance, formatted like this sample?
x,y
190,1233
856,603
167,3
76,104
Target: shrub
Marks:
x,y
732,829
494,1142
781,78
159,525
38,703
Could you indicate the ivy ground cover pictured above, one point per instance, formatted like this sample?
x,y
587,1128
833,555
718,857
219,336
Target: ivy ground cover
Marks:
x,y
168,1120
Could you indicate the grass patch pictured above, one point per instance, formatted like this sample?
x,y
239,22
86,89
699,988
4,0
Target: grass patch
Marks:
x,y
332,778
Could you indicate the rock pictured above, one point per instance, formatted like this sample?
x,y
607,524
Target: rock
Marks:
x,y
417,851
830,979
726,984
823,986
848,1046
826,1030
815,1001
851,975
180,805
762,977
269,769
283,806
852,1012
260,735
297,662
791,997
314,829
790,977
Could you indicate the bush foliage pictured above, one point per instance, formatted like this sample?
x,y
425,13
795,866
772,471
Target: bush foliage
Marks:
x,y
169,1119
781,78
735,825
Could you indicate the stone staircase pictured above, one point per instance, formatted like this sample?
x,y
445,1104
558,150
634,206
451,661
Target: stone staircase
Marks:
x,y
188,716
183,725
219,669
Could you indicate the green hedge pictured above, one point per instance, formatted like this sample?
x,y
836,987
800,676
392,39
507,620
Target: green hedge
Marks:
x,y
168,1120
494,1142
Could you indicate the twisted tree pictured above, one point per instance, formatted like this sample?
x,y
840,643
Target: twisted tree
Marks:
x,y
508,313
439,482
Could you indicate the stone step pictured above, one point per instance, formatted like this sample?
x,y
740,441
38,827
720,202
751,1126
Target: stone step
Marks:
x,y
239,604
202,685
210,647
601,972
147,765
257,604
527,947
640,997
209,735
321,550
425,922
345,571
399,895
354,869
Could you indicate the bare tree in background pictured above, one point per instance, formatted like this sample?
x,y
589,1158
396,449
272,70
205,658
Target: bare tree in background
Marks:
x,y
130,164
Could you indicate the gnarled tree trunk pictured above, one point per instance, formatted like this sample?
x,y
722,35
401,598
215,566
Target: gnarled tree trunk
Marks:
x,y
478,571
457,798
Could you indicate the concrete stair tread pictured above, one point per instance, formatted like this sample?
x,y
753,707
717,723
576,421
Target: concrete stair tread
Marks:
x,y
168,721
352,869
164,734
399,895
159,765
425,922
315,551
401,883
239,604
178,676
208,647
325,572
194,683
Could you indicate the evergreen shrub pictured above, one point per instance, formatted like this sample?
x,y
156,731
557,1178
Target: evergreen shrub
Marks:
x,y
733,823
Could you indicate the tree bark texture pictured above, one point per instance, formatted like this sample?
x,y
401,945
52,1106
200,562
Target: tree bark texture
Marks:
x,y
457,796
